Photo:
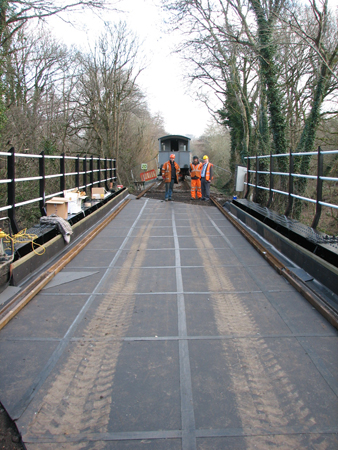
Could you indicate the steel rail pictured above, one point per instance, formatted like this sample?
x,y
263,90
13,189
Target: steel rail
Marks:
x,y
6,208
145,190
280,155
29,292
53,195
316,300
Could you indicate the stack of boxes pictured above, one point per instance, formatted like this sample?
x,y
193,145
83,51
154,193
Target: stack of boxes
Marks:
x,y
57,206
74,201
71,202
98,193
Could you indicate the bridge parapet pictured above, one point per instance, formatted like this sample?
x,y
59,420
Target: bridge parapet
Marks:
x,y
50,176
263,176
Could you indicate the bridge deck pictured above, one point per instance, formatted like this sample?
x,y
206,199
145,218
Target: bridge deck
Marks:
x,y
170,332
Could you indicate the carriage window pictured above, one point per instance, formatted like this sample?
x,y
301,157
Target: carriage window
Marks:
x,y
174,145
182,146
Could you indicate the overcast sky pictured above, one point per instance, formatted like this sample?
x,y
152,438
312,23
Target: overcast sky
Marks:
x,y
162,80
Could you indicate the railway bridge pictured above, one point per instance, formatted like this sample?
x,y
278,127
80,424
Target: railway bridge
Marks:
x,y
169,330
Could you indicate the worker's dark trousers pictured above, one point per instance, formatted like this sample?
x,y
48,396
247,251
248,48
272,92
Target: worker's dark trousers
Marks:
x,y
169,187
205,185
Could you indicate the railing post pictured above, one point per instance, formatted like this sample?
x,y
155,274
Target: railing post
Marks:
x,y
257,176
42,174
99,172
91,171
271,182
106,173
320,168
114,181
11,190
63,173
84,178
291,169
77,170
247,177
111,174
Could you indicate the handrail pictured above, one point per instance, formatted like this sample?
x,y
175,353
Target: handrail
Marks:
x,y
319,177
85,177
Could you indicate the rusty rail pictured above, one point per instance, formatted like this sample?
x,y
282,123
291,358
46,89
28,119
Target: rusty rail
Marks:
x,y
29,292
141,194
315,299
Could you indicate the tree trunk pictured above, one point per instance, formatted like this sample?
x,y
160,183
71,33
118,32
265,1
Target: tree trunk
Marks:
x,y
269,72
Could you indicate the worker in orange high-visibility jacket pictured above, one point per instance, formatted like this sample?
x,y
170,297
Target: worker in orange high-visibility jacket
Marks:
x,y
170,171
195,175
207,175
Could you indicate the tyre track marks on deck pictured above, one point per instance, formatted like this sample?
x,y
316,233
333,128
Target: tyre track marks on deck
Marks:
x,y
265,397
80,396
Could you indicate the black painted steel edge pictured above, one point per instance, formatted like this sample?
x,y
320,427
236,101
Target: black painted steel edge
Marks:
x,y
31,262
319,268
319,250
10,309
318,302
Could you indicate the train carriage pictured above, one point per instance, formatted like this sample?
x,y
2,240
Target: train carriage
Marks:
x,y
180,146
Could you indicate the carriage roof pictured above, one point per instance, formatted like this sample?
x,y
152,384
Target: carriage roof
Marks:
x,y
173,136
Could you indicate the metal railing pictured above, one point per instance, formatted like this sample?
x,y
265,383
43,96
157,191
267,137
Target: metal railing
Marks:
x,y
290,175
79,177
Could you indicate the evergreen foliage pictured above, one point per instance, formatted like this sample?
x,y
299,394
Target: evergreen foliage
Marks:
x,y
269,73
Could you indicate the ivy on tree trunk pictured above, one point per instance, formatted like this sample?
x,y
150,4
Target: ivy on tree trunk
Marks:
x,y
269,72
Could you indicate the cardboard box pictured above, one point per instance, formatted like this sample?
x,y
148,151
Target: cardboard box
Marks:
x,y
75,206
74,201
71,195
98,193
58,206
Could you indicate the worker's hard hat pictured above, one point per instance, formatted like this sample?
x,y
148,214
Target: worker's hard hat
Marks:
x,y
205,157
172,156
195,157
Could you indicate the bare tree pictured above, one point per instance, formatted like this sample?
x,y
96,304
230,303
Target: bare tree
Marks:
x,y
16,13
215,143
33,69
107,90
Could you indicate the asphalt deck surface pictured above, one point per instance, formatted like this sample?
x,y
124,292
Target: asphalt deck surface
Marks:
x,y
169,331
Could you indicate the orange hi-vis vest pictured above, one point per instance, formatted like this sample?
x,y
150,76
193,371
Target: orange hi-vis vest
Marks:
x,y
207,173
166,171
195,170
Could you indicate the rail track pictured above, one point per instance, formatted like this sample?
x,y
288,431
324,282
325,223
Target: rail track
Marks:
x,y
91,385
19,301
181,193
312,296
